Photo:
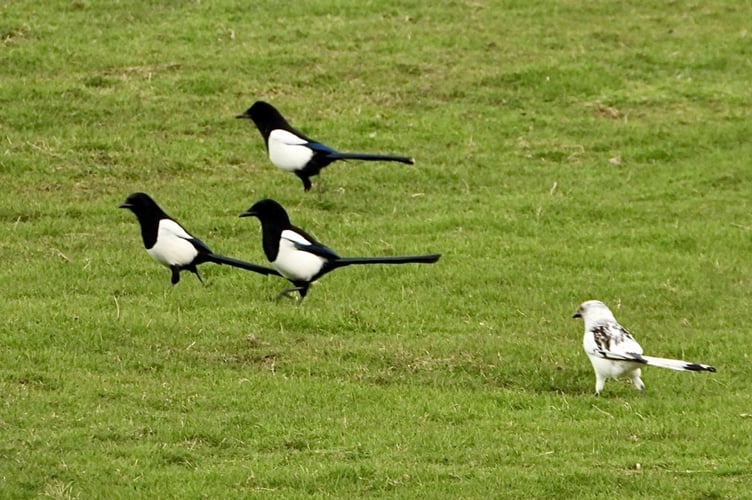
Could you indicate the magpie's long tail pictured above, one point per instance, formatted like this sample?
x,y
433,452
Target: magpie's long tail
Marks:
x,y
336,155
409,259
248,266
678,365
669,364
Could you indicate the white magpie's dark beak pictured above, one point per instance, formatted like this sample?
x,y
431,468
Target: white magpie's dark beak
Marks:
x,y
577,314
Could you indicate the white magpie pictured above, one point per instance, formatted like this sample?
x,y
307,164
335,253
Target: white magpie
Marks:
x,y
172,246
299,257
615,353
292,151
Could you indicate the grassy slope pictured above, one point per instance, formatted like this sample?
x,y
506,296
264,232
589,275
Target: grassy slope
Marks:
x,y
565,151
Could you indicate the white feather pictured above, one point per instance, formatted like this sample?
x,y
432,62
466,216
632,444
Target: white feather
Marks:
x,y
286,150
296,264
295,236
172,247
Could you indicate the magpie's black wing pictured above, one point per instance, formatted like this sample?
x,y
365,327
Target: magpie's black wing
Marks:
x,y
320,250
319,148
306,243
199,245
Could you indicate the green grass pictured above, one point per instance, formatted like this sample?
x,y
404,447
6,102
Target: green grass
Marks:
x,y
565,151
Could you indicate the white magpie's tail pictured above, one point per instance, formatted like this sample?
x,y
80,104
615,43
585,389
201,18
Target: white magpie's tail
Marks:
x,y
248,266
677,364
669,364
336,155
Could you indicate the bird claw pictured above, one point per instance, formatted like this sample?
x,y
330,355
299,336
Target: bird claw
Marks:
x,y
288,294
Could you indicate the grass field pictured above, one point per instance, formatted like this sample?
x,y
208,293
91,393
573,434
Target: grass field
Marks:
x,y
565,151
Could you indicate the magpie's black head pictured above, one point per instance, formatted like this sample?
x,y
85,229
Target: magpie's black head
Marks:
x,y
266,117
148,214
259,111
143,206
268,211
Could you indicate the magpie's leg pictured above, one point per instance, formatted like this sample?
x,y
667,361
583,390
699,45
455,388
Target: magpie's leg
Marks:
x,y
288,292
637,381
600,382
306,182
175,274
195,271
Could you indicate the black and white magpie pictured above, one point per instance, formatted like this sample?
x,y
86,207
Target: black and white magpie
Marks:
x,y
299,257
290,150
172,246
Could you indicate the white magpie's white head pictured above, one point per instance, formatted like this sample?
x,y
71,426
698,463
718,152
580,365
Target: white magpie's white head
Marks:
x,y
593,310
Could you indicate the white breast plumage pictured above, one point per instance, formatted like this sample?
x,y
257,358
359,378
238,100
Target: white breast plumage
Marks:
x,y
286,150
172,248
295,264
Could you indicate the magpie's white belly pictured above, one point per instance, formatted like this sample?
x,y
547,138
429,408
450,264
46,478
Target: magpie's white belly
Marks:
x,y
295,264
171,250
612,369
287,152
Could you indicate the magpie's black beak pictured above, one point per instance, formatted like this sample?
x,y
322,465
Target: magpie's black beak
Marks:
x,y
125,204
243,115
248,213
577,314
